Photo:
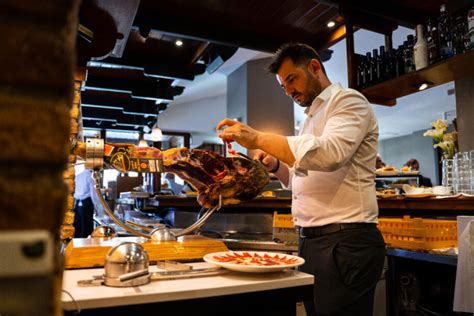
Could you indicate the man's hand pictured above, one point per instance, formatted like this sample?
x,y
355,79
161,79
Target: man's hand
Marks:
x,y
238,132
267,160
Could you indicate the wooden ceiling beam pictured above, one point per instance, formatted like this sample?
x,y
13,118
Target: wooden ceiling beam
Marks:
x,y
124,101
148,87
162,68
206,31
107,125
117,116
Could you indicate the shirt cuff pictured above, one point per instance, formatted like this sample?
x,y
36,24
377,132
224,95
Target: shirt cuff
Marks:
x,y
300,146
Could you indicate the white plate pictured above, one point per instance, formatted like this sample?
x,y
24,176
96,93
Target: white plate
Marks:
x,y
253,266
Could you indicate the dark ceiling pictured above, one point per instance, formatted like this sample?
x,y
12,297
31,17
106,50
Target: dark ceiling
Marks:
x,y
132,61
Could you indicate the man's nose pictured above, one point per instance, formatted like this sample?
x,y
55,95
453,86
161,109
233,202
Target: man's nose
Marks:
x,y
288,90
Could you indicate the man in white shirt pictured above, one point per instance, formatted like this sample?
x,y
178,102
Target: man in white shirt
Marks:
x,y
329,167
85,198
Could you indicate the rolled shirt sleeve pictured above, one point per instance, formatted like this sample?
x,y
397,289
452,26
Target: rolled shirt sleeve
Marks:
x,y
345,128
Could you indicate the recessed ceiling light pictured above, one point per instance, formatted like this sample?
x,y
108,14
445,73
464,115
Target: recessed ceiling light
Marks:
x,y
331,24
178,43
423,86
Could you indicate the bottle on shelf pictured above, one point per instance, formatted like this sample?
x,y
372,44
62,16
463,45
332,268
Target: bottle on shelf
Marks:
x,y
369,70
408,54
376,66
444,32
394,64
460,44
400,61
470,26
361,74
433,41
420,50
384,64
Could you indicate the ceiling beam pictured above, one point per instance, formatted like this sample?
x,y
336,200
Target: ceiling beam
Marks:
x,y
107,125
206,31
144,86
162,68
124,101
117,116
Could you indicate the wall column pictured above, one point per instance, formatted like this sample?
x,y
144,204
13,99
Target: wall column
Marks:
x,y
255,98
465,112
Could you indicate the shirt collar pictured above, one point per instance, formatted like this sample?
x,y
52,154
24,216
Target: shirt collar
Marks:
x,y
323,97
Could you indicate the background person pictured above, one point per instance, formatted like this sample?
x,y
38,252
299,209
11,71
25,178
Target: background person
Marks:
x,y
415,166
330,168
85,198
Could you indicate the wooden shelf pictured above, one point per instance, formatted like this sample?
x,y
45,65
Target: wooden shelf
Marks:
x,y
451,69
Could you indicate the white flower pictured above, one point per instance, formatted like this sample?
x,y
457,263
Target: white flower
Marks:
x,y
436,134
440,125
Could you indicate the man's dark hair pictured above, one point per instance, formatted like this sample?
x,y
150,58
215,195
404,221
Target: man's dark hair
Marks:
x,y
300,54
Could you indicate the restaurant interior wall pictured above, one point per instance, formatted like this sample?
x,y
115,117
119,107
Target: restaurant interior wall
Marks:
x,y
237,96
397,151
198,117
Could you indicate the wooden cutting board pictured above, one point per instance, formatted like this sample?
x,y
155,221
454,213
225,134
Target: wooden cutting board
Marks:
x,y
91,252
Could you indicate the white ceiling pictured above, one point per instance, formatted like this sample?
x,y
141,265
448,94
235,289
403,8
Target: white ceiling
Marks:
x,y
412,113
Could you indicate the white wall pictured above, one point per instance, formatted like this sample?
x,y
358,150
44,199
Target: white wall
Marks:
x,y
198,117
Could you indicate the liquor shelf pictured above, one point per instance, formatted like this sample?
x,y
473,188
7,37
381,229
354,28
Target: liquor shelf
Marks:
x,y
454,68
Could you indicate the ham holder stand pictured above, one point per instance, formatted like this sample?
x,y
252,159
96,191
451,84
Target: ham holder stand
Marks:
x,y
95,162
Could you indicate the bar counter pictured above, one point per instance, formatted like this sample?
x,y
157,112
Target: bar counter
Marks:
x,y
261,293
396,206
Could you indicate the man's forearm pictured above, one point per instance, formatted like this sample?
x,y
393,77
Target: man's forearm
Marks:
x,y
277,146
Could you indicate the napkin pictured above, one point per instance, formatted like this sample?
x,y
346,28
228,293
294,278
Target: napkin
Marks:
x,y
464,288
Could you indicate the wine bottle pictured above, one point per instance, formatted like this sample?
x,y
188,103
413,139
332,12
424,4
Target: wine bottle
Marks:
x,y
444,32
400,64
420,50
384,64
470,26
376,66
361,73
433,42
369,70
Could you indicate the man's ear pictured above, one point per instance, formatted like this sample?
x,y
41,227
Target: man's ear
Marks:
x,y
314,66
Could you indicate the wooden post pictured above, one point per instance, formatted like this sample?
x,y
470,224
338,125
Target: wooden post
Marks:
x,y
351,67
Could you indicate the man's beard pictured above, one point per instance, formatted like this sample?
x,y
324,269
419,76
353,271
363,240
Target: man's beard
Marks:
x,y
312,90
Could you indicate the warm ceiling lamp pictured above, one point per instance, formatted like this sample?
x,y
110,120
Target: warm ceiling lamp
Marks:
x,y
331,24
156,133
142,142
178,43
424,85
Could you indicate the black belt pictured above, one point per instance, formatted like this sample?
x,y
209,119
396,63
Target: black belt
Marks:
x,y
308,232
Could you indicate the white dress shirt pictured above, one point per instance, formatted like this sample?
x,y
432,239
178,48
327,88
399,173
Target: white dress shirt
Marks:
x,y
85,187
332,180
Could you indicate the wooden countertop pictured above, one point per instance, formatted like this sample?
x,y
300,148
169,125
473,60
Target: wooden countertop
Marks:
x,y
460,203
173,290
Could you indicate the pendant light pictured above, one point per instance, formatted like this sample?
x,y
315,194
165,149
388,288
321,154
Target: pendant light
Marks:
x,y
142,142
156,133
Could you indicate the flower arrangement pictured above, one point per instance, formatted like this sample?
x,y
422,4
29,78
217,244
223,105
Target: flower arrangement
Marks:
x,y
445,141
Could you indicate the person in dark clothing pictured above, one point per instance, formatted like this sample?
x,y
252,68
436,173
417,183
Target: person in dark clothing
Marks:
x,y
414,165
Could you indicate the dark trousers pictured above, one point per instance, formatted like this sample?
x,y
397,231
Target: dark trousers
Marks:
x,y
83,218
346,266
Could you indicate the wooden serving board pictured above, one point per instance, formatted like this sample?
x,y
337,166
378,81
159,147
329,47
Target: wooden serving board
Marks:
x,y
91,252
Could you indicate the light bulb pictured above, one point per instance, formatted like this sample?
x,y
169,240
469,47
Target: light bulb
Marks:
x,y
142,143
156,134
